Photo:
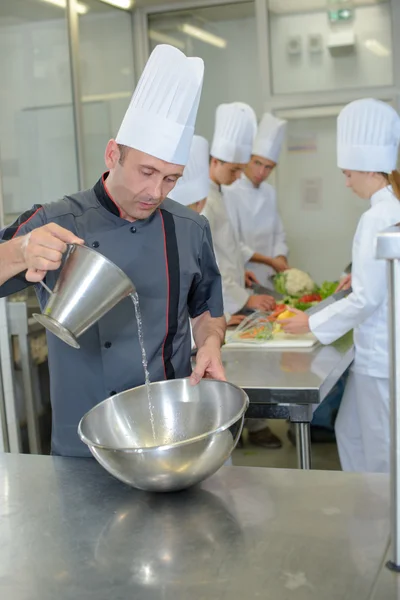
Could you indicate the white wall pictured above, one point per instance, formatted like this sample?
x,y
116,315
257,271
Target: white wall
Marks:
x,y
323,72
37,145
319,236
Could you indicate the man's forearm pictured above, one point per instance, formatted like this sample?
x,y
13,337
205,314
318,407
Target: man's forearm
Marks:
x,y
260,259
11,260
210,330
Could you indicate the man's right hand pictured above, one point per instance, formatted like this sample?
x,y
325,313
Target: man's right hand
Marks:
x,y
42,249
261,302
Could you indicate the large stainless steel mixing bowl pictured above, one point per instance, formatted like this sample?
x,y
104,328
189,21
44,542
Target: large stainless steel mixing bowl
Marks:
x,y
194,432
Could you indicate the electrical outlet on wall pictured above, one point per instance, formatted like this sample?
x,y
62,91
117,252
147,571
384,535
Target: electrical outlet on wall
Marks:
x,y
315,43
294,45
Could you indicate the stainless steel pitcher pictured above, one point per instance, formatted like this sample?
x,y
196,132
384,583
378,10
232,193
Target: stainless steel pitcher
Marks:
x,y
89,285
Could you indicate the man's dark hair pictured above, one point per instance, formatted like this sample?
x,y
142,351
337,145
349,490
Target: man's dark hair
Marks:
x,y
123,150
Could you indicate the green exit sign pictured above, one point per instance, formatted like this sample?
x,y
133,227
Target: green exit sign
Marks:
x,y
343,14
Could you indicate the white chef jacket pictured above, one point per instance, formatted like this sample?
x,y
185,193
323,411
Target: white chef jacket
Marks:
x,y
366,309
254,215
228,252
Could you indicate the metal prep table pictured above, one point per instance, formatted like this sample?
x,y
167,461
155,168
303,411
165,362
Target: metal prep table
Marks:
x,y
23,346
70,531
287,383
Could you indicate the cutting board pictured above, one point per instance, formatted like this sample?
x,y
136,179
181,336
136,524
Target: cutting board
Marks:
x,y
279,341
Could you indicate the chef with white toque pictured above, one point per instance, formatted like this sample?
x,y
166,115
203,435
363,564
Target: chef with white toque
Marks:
x,y
252,206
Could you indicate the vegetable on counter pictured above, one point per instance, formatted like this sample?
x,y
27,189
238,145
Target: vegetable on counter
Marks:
x,y
310,298
327,289
294,282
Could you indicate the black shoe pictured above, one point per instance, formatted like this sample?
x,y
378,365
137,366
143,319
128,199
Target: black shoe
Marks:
x,y
265,438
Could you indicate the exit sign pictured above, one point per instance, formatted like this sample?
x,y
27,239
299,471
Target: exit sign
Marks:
x,y
343,14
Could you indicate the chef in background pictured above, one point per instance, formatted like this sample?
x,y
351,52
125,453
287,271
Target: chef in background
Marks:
x,y
252,207
235,129
193,187
367,149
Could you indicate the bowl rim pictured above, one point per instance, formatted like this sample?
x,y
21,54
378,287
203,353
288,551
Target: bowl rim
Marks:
x,y
145,449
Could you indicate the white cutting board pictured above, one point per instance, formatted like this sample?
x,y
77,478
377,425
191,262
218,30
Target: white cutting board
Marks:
x,y
280,341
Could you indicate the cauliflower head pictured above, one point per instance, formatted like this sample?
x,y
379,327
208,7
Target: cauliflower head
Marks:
x,y
294,282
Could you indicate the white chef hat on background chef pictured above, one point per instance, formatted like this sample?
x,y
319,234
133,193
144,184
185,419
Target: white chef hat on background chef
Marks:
x,y
161,116
368,135
269,139
235,128
195,183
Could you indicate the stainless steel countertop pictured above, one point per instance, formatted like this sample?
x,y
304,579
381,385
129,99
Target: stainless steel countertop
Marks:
x,y
69,531
290,376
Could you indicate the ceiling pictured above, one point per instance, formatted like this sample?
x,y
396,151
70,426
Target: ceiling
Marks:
x,y
210,14
296,6
277,6
19,11
22,11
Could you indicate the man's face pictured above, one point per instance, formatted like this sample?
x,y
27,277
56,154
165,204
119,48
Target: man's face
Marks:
x,y
259,169
139,182
225,173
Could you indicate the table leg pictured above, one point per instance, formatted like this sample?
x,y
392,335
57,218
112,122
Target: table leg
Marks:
x,y
31,409
303,445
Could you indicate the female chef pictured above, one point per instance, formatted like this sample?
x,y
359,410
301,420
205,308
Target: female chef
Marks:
x,y
367,150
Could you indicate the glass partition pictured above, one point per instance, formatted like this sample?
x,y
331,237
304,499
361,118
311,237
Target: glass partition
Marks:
x,y
225,37
107,79
37,147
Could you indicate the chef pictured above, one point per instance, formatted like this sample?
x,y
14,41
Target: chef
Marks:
x,y
252,207
162,246
235,128
193,187
368,142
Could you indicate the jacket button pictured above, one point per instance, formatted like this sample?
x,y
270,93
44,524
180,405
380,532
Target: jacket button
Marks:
x,y
113,393
133,229
107,345
95,244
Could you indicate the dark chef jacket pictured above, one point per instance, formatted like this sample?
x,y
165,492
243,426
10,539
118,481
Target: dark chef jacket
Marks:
x,y
170,259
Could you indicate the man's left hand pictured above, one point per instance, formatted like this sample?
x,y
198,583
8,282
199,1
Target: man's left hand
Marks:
x,y
296,325
208,363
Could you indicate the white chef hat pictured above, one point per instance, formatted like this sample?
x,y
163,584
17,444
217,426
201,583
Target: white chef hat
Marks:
x,y
269,138
368,135
161,116
195,183
235,128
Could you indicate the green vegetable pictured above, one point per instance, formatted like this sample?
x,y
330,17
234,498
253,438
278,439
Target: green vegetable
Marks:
x,y
327,289
265,335
280,283
304,305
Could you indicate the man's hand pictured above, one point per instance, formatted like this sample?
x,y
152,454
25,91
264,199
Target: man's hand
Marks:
x,y
208,362
235,320
296,325
261,302
250,278
279,264
344,284
42,249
